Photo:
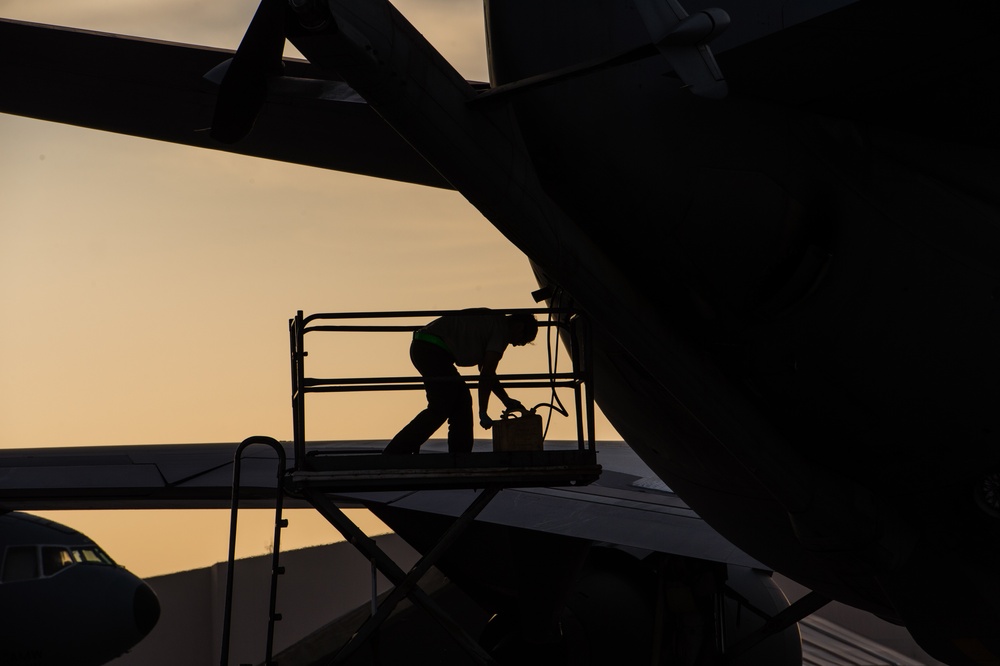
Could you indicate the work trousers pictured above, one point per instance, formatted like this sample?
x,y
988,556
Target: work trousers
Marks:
x,y
448,399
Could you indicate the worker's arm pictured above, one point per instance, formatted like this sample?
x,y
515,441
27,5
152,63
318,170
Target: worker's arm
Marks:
x,y
488,383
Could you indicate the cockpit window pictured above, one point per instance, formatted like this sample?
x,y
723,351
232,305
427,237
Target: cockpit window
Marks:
x,y
55,559
91,555
20,563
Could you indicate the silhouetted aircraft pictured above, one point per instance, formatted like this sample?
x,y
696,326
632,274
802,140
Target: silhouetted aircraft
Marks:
x,y
63,600
786,240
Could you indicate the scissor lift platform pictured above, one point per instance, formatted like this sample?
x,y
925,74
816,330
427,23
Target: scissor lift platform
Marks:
x,y
320,472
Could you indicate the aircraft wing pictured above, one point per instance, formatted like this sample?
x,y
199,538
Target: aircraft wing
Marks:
x,y
157,90
162,476
627,506
886,63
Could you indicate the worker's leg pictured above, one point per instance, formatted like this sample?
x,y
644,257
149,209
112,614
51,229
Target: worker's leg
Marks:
x,y
431,361
460,419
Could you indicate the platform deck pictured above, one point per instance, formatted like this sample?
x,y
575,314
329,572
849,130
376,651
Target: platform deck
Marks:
x,y
335,472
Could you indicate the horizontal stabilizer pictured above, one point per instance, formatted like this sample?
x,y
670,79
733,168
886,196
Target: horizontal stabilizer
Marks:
x,y
158,90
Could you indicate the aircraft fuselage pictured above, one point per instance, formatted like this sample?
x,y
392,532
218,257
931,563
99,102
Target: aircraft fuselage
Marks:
x,y
821,389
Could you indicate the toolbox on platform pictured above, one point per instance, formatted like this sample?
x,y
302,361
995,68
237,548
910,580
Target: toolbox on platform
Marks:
x,y
522,433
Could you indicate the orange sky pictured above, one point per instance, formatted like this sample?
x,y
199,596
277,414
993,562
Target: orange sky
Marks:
x,y
145,287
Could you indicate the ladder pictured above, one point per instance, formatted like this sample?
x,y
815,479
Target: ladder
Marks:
x,y
276,570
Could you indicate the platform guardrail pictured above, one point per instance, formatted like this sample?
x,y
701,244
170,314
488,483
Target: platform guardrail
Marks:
x,y
572,327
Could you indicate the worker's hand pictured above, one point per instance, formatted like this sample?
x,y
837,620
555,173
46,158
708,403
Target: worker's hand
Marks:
x,y
516,406
485,421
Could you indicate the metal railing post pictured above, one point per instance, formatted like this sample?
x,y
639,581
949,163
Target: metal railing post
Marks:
x,y
297,343
588,378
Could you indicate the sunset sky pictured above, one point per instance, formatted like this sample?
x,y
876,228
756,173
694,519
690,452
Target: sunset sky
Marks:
x,y
145,287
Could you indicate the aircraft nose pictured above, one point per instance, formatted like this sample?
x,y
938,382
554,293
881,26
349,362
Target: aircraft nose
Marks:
x,y
145,608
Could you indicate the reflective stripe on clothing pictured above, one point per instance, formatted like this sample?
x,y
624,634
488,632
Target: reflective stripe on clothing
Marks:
x,y
431,338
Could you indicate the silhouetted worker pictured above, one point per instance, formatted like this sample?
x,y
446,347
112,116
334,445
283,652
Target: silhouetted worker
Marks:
x,y
475,337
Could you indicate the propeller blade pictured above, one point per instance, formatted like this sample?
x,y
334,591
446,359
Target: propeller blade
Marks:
x,y
244,87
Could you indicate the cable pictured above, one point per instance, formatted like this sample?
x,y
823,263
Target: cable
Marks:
x,y
555,404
